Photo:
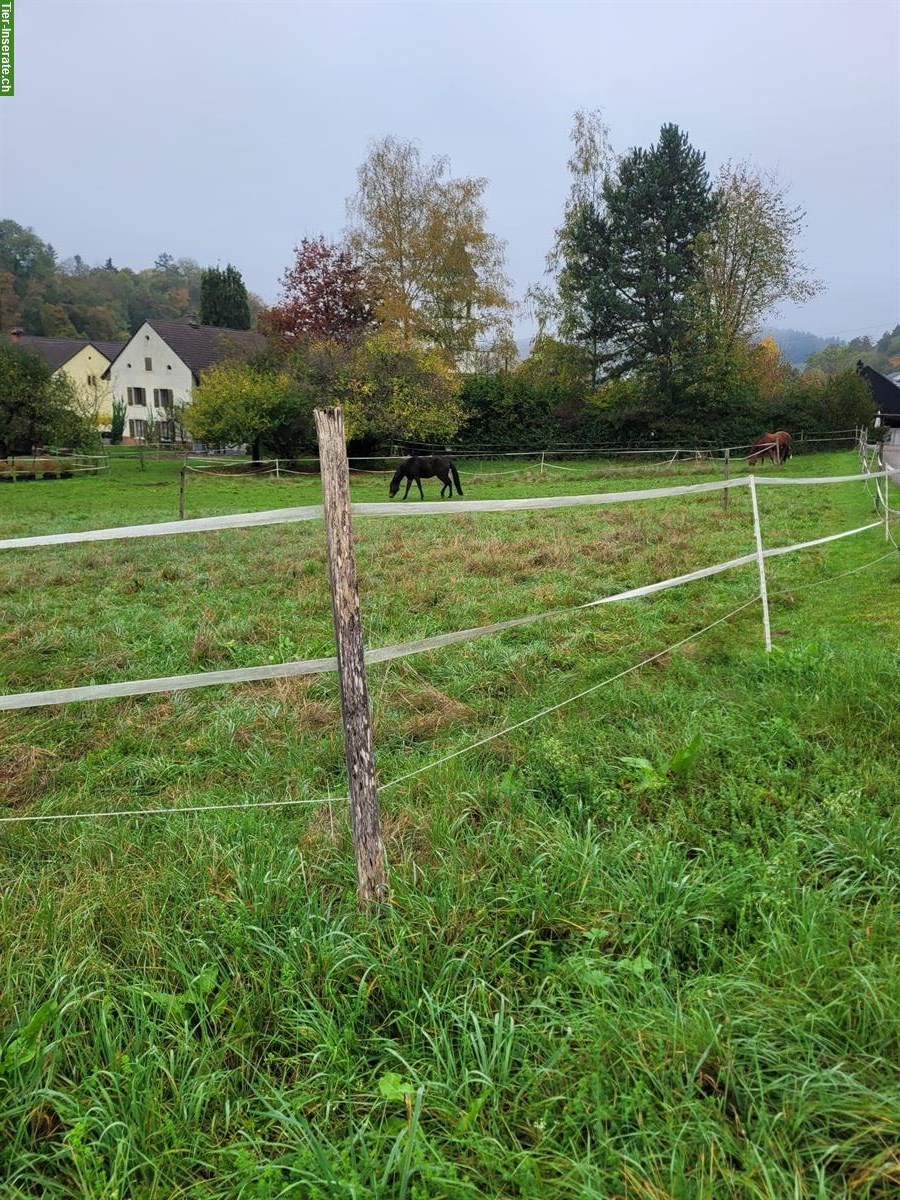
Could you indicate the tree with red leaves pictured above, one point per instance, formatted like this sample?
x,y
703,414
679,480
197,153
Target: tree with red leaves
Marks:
x,y
322,295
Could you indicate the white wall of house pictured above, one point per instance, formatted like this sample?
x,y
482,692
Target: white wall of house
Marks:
x,y
85,370
148,362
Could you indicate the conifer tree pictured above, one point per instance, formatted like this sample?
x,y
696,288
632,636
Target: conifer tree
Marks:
x,y
223,299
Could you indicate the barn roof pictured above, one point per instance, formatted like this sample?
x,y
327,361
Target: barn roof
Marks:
x,y
885,392
56,352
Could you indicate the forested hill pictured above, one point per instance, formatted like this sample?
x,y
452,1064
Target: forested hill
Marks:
x,y
67,298
832,355
796,345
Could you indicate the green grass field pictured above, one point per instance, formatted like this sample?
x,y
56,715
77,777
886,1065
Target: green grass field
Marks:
x,y
645,946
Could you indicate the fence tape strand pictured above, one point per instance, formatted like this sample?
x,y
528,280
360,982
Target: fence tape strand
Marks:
x,y
203,808
317,666
314,512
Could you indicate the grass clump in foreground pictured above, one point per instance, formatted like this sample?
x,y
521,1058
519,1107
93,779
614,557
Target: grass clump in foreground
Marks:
x,y
643,947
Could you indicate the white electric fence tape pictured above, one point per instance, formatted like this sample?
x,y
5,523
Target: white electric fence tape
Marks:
x,y
314,512
291,803
288,802
316,666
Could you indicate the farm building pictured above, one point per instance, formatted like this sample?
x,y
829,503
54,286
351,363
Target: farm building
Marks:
x,y
156,371
886,394
85,363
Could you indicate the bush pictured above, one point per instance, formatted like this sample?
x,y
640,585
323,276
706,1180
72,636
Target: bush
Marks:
x,y
36,405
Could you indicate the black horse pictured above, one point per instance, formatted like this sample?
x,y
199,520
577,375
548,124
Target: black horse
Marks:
x,y
414,469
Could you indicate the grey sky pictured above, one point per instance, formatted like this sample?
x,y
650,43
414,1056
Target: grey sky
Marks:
x,y
226,131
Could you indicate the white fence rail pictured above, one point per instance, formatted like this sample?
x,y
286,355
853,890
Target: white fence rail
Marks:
x,y
93,692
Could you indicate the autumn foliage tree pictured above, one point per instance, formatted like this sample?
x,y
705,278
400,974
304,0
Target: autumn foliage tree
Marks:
x,y
247,403
390,388
750,259
422,240
577,303
322,295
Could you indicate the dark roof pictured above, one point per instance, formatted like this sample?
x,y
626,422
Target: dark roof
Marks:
x,y
57,351
110,349
199,346
885,392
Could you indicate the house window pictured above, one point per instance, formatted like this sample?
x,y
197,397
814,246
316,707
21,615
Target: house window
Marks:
x,y
137,396
148,364
136,428
92,380
162,397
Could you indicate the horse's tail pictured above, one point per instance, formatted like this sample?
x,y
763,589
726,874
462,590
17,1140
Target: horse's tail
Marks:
x,y
455,474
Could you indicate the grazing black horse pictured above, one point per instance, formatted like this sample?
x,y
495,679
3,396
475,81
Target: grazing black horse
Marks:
x,y
414,469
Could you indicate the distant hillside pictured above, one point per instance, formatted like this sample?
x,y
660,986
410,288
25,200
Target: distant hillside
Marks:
x,y
70,299
883,355
796,345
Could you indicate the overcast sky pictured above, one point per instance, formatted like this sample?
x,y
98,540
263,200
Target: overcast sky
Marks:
x,y
226,131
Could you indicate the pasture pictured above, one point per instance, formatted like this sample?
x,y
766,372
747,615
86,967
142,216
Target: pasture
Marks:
x,y
643,947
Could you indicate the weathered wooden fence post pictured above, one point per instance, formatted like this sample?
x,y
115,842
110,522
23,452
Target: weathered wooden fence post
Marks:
x,y
761,563
181,492
365,819
727,473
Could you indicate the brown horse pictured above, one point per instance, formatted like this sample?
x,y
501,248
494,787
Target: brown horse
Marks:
x,y
777,446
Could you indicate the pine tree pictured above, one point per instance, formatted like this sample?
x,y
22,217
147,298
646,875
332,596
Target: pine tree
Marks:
x,y
223,299
657,207
628,254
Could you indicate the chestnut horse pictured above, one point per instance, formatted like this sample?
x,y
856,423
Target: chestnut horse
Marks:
x,y
777,446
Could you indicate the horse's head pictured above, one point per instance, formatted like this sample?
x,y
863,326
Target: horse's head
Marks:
x,y
394,487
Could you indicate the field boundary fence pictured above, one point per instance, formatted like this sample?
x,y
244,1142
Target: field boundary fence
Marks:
x,y
869,459
52,464
609,459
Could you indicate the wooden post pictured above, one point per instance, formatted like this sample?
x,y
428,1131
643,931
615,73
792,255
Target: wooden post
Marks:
x,y
277,475
181,491
365,819
542,462
761,563
727,473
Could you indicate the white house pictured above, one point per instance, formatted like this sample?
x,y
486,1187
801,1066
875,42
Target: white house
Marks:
x,y
156,371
